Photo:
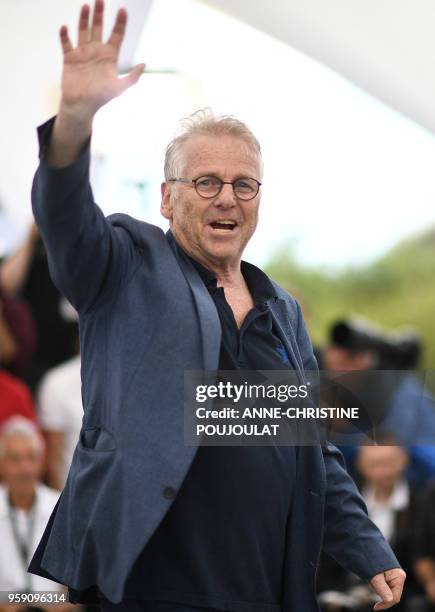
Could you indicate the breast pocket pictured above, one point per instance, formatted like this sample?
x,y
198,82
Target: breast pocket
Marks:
x,y
96,439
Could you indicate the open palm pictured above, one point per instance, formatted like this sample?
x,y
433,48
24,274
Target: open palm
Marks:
x,y
90,70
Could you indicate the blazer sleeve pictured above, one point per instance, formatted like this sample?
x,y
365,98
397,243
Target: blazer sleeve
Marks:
x,y
350,537
88,257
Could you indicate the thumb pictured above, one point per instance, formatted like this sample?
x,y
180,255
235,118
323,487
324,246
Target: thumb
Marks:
x,y
131,78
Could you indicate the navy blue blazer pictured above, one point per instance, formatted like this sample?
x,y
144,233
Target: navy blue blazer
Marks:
x,y
145,316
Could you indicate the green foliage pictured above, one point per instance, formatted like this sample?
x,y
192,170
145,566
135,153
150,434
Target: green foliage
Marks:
x,y
396,291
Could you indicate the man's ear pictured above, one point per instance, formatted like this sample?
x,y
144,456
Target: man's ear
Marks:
x,y
166,204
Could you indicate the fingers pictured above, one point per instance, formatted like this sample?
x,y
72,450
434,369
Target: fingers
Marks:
x,y
382,605
131,78
389,587
97,21
382,589
387,600
118,31
64,39
395,580
83,36
95,33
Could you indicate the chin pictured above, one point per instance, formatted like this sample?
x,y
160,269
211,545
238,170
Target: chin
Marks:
x,y
221,248
223,254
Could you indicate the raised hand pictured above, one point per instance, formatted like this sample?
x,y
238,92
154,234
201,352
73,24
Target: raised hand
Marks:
x,y
90,70
89,80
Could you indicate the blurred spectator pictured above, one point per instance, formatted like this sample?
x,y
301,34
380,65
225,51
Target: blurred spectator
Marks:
x,y
391,504
8,343
15,398
17,335
60,412
25,273
424,566
25,505
401,404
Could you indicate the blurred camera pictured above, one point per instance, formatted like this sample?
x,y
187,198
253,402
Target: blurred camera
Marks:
x,y
394,351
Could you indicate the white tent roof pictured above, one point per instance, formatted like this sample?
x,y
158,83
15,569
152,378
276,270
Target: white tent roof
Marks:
x,y
384,46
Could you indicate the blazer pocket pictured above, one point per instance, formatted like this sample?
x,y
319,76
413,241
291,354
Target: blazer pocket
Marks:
x,y
96,439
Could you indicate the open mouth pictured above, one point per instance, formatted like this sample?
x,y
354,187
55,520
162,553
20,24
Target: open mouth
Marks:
x,y
223,225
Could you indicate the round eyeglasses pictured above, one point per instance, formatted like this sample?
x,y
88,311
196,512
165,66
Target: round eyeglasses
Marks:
x,y
211,186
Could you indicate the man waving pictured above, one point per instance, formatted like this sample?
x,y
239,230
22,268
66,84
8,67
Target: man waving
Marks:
x,y
145,521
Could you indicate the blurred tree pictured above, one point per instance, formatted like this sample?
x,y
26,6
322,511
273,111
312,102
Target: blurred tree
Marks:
x,y
397,290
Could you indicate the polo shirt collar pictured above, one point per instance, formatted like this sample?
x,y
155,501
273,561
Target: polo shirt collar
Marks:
x,y
258,282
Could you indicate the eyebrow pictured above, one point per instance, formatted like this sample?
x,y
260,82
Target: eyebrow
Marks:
x,y
237,177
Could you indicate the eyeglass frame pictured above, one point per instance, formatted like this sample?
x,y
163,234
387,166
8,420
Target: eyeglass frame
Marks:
x,y
222,183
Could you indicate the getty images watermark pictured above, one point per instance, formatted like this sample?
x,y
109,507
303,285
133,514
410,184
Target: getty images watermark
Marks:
x,y
243,407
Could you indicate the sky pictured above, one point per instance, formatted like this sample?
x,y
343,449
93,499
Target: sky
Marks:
x,y
346,177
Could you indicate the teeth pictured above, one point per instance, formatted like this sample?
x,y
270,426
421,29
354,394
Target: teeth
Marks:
x,y
226,222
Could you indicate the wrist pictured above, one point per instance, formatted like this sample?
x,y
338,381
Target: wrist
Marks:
x,y
71,130
73,121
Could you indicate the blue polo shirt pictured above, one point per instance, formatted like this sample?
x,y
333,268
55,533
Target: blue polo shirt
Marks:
x,y
222,542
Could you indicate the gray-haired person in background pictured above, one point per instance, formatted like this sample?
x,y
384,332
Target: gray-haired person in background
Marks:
x,y
25,507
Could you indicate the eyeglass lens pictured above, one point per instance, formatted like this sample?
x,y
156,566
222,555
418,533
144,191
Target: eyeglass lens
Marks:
x,y
209,186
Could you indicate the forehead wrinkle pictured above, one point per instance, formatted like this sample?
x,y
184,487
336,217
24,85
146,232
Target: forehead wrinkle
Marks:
x,y
229,158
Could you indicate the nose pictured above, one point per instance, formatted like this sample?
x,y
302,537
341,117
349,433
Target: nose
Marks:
x,y
226,198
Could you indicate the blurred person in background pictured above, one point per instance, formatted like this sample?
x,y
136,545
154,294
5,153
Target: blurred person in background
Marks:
x,y
25,273
25,506
15,398
17,335
60,413
401,405
391,502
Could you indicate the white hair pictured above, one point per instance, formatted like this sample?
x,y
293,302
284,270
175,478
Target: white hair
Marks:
x,y
18,425
205,122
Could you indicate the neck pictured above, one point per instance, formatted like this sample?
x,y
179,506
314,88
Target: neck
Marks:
x,y
230,278
228,271
384,493
22,499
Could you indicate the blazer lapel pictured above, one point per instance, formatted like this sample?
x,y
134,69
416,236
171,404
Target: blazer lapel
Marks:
x,y
209,322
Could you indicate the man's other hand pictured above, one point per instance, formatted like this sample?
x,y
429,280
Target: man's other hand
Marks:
x,y
389,586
